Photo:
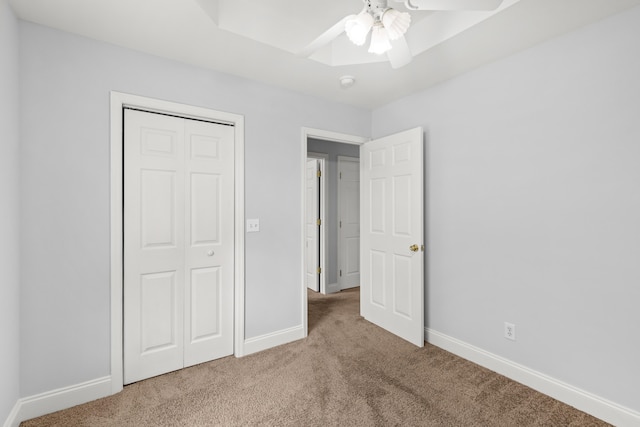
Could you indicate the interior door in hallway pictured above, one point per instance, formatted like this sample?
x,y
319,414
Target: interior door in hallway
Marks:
x,y
312,228
348,222
178,243
392,233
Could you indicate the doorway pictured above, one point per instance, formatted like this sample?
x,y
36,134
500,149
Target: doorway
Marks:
x,y
340,214
392,218
321,143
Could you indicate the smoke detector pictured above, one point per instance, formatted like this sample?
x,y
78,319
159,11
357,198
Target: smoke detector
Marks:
x,y
347,81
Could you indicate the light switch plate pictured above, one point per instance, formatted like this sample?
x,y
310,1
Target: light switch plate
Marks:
x,y
253,225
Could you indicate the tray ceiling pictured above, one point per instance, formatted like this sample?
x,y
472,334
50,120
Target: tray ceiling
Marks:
x,y
262,39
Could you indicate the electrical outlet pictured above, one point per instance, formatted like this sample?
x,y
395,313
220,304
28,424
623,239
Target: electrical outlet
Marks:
x,y
510,331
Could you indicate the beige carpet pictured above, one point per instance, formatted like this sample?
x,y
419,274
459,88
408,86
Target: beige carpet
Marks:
x,y
348,372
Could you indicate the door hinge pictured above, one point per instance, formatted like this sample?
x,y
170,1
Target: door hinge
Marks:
x,y
340,273
340,175
319,222
319,174
340,224
319,270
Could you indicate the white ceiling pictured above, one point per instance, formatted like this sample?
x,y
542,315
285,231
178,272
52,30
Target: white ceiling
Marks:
x,y
261,39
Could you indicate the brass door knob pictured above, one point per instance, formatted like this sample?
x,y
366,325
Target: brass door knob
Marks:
x,y
414,248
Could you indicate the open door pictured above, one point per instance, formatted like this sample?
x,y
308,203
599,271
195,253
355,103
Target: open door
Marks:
x,y
312,226
392,233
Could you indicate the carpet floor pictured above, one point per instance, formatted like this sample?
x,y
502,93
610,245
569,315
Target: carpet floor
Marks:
x,y
347,372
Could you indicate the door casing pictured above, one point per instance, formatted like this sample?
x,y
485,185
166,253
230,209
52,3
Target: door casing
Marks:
x,y
118,102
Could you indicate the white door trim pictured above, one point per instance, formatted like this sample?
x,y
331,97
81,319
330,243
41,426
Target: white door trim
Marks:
x,y
322,158
118,102
325,136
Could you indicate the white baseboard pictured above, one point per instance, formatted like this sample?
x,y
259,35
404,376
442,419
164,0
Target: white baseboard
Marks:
x,y
66,397
333,288
12,419
56,400
264,342
587,402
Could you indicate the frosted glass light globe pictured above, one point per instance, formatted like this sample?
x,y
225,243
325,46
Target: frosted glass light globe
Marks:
x,y
379,40
396,23
357,28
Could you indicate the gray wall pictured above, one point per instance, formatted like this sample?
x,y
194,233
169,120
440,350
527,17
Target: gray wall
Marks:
x,y
534,206
9,219
65,197
333,149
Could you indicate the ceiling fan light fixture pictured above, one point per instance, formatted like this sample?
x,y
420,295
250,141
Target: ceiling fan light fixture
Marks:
x,y
379,40
358,27
396,23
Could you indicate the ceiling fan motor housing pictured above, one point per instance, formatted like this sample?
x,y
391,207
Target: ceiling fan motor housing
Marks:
x,y
376,8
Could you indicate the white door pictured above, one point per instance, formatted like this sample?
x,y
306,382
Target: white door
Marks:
x,y
348,222
178,243
392,220
312,215
209,227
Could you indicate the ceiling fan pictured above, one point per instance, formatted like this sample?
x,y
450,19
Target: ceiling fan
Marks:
x,y
388,26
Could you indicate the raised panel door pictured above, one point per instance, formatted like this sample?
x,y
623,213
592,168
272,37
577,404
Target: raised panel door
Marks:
x,y
392,224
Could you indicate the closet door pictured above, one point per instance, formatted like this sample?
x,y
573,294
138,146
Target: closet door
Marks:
x,y
178,261
209,253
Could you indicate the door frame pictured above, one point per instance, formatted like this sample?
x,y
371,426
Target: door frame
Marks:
x,y
322,234
323,135
119,101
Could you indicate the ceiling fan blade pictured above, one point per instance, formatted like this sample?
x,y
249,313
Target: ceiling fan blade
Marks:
x,y
326,37
452,4
399,55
